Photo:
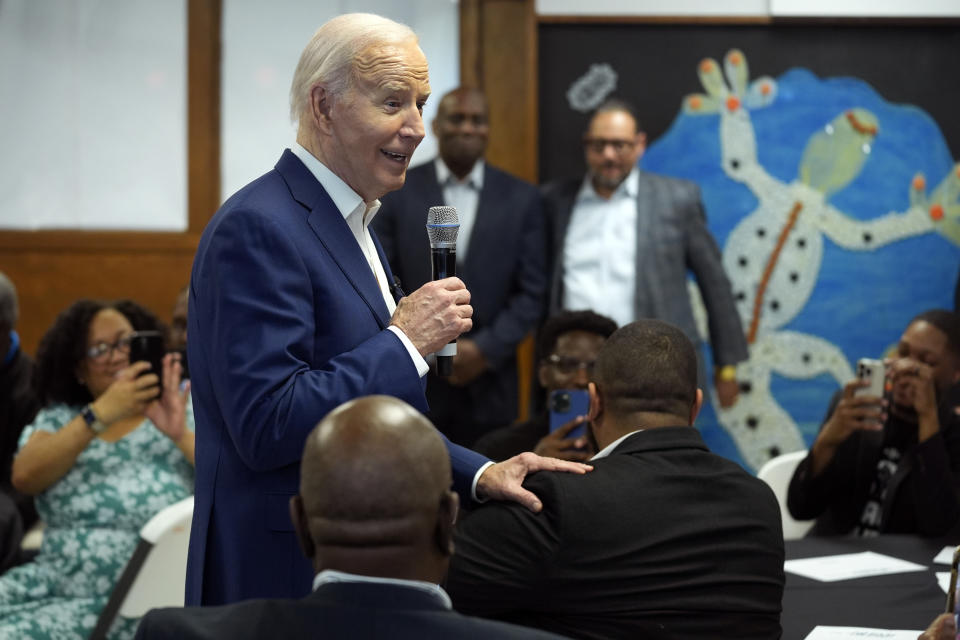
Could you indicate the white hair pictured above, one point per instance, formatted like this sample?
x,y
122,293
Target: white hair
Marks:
x,y
330,55
9,310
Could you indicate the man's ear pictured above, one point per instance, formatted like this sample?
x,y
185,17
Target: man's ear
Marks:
x,y
320,106
446,517
542,374
596,407
697,405
299,518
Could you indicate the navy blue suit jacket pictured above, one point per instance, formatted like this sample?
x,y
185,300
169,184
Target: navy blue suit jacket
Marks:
x,y
346,610
286,322
504,269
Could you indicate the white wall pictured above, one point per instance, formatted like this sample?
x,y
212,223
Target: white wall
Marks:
x,y
261,46
93,114
779,8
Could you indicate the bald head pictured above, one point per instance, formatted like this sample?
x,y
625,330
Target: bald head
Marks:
x,y
374,487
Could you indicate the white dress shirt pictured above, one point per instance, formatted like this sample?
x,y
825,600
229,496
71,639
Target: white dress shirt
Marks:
x,y
464,195
358,216
607,450
599,251
328,576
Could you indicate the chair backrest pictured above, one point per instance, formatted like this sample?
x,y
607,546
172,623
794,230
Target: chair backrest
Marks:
x,y
157,572
777,474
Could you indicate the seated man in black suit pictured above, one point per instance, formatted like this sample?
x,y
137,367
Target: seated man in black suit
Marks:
x,y
663,539
375,513
872,470
567,345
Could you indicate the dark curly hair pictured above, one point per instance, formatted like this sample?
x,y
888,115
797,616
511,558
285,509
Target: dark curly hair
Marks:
x,y
64,346
566,321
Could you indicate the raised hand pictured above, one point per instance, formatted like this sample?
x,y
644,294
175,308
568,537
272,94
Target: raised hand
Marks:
x,y
852,413
168,412
559,444
128,395
434,314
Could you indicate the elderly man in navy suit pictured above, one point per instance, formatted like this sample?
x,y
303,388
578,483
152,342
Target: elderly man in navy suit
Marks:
x,y
500,256
292,311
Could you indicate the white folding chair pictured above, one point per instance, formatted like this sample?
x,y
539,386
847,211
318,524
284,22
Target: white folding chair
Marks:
x,y
777,474
157,572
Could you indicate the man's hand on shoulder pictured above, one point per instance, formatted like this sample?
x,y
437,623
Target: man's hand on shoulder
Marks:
x,y
504,480
434,314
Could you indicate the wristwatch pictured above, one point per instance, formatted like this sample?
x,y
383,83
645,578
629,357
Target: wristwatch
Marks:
x,y
92,420
727,373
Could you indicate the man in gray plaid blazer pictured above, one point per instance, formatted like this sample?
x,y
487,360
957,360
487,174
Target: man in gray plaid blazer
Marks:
x,y
623,240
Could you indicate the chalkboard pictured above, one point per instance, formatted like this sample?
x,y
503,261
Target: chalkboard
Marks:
x,y
656,67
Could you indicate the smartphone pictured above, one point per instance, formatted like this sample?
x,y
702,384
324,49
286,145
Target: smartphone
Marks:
x,y
873,372
567,404
149,346
952,591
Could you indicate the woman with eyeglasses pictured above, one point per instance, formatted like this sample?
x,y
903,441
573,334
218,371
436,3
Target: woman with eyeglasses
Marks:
x,y
106,452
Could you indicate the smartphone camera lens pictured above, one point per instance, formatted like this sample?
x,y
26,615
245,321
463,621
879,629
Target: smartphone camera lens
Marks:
x,y
561,403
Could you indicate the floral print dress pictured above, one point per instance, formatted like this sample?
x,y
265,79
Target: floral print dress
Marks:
x,y
93,517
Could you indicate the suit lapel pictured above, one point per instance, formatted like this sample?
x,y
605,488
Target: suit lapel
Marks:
x,y
334,234
647,285
566,198
485,224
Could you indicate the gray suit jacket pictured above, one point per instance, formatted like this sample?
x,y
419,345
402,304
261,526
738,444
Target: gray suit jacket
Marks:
x,y
672,239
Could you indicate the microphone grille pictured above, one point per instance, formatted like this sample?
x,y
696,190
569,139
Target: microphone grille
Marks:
x,y
442,224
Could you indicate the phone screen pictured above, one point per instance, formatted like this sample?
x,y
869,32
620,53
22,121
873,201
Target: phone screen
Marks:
x,y
149,346
567,404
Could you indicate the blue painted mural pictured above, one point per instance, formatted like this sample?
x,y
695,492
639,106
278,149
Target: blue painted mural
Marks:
x,y
838,214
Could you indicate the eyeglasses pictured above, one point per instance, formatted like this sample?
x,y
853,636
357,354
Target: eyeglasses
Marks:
x,y
101,351
566,365
598,145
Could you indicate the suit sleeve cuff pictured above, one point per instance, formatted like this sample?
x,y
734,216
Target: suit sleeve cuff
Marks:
x,y
476,479
418,361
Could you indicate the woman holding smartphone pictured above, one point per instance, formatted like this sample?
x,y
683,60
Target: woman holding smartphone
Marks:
x,y
105,453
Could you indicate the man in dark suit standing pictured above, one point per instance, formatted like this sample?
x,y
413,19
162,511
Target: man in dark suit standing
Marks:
x,y
375,514
500,257
292,311
623,240
663,539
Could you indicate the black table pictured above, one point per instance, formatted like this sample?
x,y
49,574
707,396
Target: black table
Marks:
x,y
899,601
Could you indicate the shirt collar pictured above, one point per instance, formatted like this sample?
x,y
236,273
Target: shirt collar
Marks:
x,y
344,198
329,576
630,187
607,450
474,178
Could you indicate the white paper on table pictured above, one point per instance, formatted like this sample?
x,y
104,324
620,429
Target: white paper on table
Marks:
x,y
850,565
945,556
846,633
943,579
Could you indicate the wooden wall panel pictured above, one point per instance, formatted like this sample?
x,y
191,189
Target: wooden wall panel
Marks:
x,y
498,53
51,269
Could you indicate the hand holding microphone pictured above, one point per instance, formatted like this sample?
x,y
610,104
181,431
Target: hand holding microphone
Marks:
x,y
439,311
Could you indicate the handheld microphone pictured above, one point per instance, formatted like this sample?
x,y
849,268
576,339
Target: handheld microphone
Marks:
x,y
442,228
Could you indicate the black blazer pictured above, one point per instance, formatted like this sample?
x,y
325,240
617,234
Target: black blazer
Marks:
x,y
505,271
338,610
663,539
